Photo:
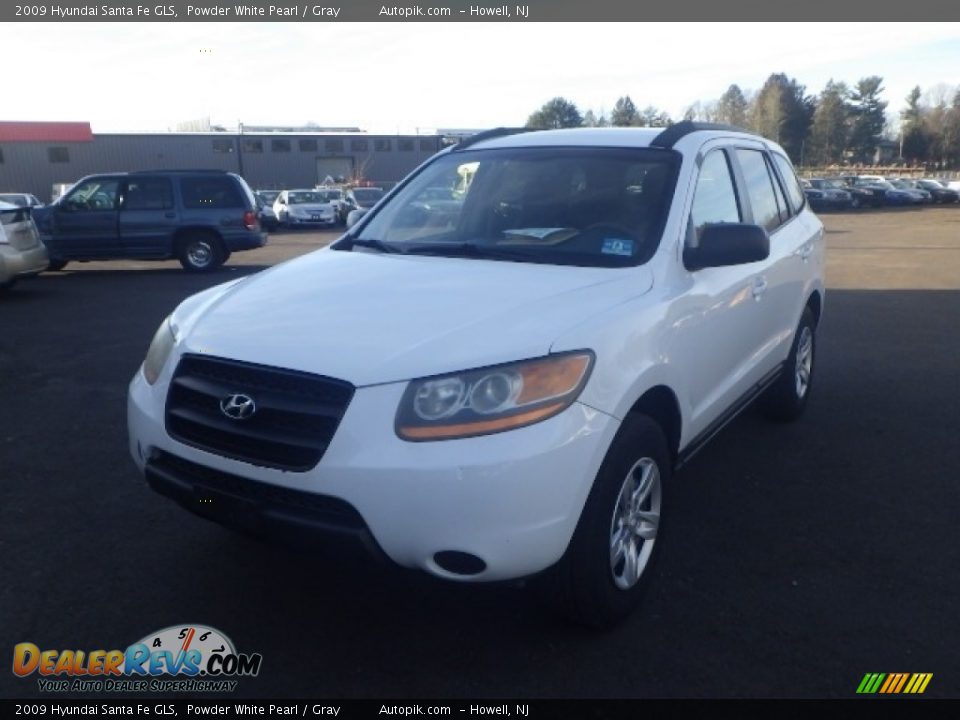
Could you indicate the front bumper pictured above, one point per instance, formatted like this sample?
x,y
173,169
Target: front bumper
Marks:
x,y
19,263
511,499
326,221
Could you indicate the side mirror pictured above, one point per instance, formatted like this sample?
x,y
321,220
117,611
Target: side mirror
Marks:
x,y
728,244
354,216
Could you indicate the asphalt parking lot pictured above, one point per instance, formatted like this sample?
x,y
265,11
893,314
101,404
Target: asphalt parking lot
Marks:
x,y
795,559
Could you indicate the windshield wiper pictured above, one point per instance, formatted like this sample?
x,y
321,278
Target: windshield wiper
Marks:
x,y
351,243
466,249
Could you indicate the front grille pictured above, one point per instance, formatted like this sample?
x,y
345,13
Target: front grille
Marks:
x,y
297,413
318,509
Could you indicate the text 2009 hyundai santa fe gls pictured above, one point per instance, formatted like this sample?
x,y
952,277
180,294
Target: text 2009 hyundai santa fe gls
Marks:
x,y
495,371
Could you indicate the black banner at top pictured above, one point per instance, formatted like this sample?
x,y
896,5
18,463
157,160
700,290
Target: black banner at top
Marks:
x,y
332,11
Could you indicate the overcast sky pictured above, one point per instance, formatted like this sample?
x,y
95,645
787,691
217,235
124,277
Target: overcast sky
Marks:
x,y
401,77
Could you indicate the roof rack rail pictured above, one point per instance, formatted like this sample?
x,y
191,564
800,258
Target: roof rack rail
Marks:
x,y
488,135
672,135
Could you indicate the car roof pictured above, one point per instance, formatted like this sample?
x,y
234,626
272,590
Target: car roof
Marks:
x,y
603,137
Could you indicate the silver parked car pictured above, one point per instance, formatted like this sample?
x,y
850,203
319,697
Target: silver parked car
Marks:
x,y
21,252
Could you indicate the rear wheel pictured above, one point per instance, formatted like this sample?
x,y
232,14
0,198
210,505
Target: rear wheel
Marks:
x,y
56,265
201,252
605,571
787,398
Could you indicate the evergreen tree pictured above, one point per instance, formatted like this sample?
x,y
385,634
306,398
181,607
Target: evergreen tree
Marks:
x,y
868,117
732,108
782,112
830,128
915,137
556,113
624,113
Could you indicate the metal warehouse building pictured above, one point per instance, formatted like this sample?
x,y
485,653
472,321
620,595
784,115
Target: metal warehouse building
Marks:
x,y
36,156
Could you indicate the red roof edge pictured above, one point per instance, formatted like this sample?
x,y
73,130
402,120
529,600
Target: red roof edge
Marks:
x,y
14,131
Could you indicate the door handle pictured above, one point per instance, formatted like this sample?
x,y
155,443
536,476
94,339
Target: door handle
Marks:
x,y
759,287
806,251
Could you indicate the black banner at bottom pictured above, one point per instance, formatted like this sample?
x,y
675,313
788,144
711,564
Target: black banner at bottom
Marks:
x,y
473,709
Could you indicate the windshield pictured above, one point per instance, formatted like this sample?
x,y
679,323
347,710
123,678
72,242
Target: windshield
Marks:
x,y
368,195
269,196
931,184
578,206
302,197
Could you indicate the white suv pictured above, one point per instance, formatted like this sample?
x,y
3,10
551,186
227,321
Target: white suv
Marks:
x,y
499,386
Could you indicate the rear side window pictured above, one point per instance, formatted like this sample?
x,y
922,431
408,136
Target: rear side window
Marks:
x,y
212,192
148,194
714,199
761,189
794,191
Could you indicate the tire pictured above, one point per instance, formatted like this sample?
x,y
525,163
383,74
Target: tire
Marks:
x,y
57,265
786,399
593,584
201,252
7,284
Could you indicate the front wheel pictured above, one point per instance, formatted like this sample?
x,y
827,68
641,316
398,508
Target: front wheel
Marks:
x,y
56,265
602,576
787,398
201,253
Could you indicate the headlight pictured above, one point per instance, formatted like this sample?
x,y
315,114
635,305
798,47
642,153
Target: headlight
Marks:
x,y
160,349
494,399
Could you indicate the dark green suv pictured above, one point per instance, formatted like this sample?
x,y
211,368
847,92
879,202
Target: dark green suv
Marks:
x,y
196,216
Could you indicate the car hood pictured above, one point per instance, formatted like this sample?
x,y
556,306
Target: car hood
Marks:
x,y
372,318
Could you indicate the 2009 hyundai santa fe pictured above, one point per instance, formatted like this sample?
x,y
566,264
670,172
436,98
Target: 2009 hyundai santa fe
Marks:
x,y
494,373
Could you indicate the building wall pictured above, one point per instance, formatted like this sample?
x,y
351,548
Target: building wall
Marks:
x,y
29,166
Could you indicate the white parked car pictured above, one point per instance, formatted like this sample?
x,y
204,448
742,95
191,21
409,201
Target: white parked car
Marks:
x,y
304,207
20,200
336,197
21,252
507,390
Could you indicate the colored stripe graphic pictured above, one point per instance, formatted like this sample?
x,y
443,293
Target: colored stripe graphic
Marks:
x,y
894,683
903,679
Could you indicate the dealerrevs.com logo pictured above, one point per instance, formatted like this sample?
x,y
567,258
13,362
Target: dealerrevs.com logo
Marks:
x,y
180,658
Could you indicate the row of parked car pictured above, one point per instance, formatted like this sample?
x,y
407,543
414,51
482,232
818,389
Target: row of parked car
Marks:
x,y
323,206
855,191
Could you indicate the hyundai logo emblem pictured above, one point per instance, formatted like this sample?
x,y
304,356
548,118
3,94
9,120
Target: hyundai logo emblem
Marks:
x,y
238,406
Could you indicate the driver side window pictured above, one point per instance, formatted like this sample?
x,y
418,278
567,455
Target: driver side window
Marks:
x,y
714,198
93,195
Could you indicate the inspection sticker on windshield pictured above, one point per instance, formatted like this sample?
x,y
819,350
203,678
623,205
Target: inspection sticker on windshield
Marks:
x,y
616,246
